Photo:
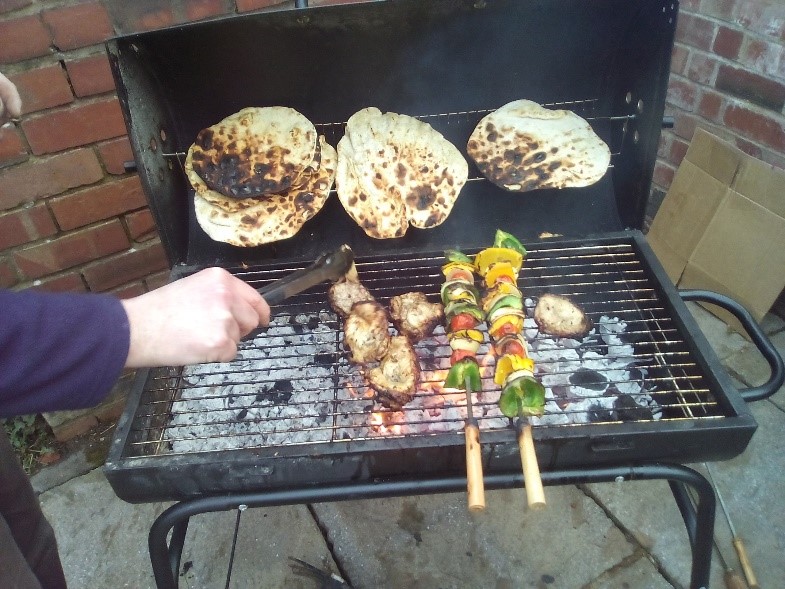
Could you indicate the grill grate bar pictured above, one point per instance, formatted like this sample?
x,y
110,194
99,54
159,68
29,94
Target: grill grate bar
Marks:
x,y
293,384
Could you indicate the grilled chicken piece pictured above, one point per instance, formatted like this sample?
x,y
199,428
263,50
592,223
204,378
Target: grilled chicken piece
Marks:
x,y
366,332
414,316
559,316
395,379
346,292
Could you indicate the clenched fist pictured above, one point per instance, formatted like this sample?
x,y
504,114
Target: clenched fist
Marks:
x,y
200,318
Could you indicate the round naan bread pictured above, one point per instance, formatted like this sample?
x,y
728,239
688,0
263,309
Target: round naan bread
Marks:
x,y
394,170
256,221
256,151
524,146
232,205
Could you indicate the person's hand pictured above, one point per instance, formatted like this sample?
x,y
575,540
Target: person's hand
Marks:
x,y
10,102
200,318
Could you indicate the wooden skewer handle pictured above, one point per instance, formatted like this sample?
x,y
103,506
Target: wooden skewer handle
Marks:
x,y
531,470
746,565
474,476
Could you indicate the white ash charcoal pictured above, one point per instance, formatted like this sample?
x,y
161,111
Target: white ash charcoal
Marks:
x,y
530,328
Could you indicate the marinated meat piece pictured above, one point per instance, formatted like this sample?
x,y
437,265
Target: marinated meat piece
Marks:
x,y
414,316
345,293
366,332
559,316
395,379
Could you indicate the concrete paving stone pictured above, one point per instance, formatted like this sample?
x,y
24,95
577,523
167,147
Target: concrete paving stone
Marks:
x,y
772,323
638,574
724,341
751,485
68,468
103,541
778,341
433,541
266,540
648,511
750,488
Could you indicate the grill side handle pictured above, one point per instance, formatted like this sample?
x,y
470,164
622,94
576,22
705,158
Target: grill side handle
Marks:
x,y
757,336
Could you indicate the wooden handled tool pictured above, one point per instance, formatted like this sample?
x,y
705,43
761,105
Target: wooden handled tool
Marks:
x,y
535,494
475,483
738,543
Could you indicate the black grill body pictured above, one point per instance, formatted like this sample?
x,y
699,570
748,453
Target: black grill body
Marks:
x,y
448,62
702,417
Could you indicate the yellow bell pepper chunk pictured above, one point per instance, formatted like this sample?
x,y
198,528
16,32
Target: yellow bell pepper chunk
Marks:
x,y
499,269
489,256
449,267
510,363
472,334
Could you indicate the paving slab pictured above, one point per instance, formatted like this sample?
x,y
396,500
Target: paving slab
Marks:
x,y
433,541
103,541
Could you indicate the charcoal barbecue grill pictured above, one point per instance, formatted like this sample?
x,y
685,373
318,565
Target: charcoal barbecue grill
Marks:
x,y
291,419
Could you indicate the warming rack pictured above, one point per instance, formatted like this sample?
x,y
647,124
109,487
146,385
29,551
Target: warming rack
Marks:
x,y
467,120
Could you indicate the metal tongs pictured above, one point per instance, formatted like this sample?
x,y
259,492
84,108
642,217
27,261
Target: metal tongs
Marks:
x,y
328,266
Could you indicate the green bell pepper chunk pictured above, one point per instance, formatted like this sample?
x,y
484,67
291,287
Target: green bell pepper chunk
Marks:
x,y
465,373
508,302
525,390
509,241
456,256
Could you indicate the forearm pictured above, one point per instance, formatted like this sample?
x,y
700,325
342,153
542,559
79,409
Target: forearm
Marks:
x,y
59,351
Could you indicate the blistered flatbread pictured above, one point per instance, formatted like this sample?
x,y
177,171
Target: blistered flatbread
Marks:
x,y
394,170
232,205
252,222
524,146
256,151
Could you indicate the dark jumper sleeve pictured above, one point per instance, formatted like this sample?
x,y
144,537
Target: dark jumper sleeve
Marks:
x,y
59,351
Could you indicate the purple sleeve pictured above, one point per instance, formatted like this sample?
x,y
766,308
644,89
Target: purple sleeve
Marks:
x,y
59,351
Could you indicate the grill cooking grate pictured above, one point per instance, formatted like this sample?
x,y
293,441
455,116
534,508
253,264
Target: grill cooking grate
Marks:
x,y
293,384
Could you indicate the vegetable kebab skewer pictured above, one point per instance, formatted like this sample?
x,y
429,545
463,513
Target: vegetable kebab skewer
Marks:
x,y
463,314
522,395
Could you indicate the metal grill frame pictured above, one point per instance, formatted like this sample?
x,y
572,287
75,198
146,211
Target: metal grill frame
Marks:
x,y
176,477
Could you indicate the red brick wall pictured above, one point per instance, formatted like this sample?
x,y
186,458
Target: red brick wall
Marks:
x,y
72,219
728,77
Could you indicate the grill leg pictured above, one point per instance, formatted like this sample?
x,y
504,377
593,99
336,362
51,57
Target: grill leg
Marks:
x,y
699,521
165,558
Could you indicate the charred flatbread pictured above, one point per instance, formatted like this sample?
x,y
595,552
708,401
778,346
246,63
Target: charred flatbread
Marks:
x,y
523,146
394,170
254,152
256,221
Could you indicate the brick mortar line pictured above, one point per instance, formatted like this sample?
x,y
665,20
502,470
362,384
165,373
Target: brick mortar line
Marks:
x,y
724,61
773,114
734,25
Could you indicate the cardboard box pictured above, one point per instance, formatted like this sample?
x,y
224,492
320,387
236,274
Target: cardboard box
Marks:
x,y
721,226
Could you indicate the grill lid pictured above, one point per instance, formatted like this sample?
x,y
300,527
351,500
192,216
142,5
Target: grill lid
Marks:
x,y
448,62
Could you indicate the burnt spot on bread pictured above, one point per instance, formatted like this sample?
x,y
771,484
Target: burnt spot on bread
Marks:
x,y
400,173
421,197
304,201
491,134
